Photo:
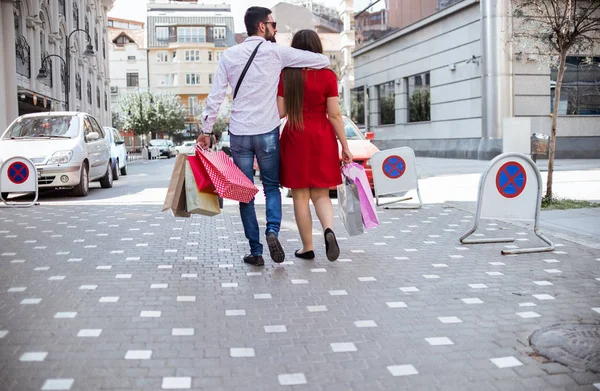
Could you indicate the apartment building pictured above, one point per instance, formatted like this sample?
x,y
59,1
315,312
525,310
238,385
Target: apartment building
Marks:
x,y
185,41
128,59
47,64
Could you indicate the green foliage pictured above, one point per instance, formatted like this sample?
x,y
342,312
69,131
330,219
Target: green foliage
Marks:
x,y
219,127
117,120
565,203
419,106
357,108
387,110
145,112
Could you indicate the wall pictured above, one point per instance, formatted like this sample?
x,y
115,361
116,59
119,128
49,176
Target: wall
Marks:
x,y
447,39
120,66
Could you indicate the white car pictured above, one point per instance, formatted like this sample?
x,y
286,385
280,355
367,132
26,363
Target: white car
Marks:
x,y
188,148
118,153
165,147
68,149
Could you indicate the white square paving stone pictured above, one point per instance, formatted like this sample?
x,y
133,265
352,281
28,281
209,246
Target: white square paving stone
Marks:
x,y
402,370
544,297
65,315
291,379
439,341
241,352
340,347
396,304
176,383
186,298
138,355
477,286
449,319
235,312
365,323
338,293
182,332
89,333
109,299
506,362
407,289
31,301
275,329
528,314
33,356
150,314
316,308
57,384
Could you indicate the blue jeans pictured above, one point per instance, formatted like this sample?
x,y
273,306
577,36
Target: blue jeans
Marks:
x,y
266,149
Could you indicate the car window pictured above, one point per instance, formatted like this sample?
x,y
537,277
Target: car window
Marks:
x,y
63,126
97,127
352,132
116,135
87,128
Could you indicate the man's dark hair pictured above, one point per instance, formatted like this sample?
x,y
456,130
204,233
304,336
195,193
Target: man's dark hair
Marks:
x,y
253,17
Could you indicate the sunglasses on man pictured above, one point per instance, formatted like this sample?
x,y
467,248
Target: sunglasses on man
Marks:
x,y
273,23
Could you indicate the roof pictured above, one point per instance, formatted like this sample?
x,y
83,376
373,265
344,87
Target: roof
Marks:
x,y
138,36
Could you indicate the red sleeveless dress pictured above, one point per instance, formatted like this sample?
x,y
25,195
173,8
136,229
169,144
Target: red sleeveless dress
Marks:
x,y
310,157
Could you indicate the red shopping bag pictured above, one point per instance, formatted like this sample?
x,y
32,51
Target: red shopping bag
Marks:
x,y
229,181
203,181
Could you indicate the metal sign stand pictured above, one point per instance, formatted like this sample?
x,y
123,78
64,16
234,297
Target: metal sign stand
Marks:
x,y
395,173
464,239
18,175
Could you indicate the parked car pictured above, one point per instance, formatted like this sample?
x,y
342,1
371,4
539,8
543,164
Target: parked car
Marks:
x,y
187,147
118,152
360,145
165,147
69,149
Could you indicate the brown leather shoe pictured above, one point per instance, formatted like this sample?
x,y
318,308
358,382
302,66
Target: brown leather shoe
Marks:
x,y
254,260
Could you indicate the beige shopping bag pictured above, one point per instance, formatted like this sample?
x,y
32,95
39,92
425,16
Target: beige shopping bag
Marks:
x,y
175,200
198,202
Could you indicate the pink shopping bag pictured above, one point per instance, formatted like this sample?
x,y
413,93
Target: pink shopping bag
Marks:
x,y
356,173
229,181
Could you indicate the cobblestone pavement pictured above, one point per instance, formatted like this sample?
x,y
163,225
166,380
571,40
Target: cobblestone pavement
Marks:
x,y
127,298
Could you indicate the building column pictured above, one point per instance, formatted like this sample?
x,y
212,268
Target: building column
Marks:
x,y
496,76
8,69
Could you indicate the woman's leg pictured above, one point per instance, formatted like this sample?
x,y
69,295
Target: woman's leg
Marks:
x,y
303,217
323,207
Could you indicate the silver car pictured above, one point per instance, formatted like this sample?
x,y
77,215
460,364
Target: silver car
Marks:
x,y
69,149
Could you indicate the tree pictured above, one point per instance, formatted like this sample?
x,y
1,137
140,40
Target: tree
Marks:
x,y
549,30
117,120
145,112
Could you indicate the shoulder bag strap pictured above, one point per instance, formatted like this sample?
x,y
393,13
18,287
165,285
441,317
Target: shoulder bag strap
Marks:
x,y
237,87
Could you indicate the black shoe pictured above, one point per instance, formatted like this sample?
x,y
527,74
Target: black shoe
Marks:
x,y
331,245
255,260
305,255
277,253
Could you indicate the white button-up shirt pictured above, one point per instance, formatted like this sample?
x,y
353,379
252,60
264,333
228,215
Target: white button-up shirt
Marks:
x,y
254,110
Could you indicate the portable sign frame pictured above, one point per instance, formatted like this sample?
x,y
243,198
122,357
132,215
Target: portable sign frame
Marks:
x,y
18,175
511,178
393,176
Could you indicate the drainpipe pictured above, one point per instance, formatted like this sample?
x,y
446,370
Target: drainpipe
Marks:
x,y
496,75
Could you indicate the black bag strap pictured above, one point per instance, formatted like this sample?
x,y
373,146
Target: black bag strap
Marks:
x,y
237,87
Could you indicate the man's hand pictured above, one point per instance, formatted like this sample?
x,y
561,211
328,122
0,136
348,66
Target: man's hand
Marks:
x,y
204,140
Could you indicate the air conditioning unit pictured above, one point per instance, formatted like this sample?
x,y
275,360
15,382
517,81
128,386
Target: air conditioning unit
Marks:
x,y
114,89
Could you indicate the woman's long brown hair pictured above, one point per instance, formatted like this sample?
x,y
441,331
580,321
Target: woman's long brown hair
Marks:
x,y
293,80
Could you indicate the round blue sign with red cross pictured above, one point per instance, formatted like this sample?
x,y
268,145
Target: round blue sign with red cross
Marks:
x,y
393,167
511,179
18,173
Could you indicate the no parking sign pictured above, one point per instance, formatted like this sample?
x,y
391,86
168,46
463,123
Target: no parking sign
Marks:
x,y
18,175
395,173
510,188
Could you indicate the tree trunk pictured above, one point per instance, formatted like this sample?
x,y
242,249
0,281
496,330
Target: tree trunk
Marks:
x,y
559,79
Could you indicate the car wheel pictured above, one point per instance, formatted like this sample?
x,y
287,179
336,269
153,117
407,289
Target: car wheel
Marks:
x,y
106,182
83,188
115,171
124,169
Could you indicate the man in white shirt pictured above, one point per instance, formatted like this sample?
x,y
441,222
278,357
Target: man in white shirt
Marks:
x,y
254,121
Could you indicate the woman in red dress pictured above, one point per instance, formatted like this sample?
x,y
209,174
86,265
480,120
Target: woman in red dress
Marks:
x,y
310,163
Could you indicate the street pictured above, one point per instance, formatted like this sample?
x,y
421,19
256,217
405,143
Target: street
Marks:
x,y
108,293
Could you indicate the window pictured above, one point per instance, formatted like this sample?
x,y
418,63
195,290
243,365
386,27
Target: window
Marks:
x,y
386,98
96,38
419,102
192,55
162,34
89,92
103,48
210,55
130,58
87,129
174,55
78,86
97,97
133,80
122,40
87,25
219,32
163,80
210,78
105,102
75,15
218,55
191,34
580,91
192,78
358,105
162,56
193,108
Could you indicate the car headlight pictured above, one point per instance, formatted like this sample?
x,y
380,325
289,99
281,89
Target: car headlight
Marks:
x,y
61,157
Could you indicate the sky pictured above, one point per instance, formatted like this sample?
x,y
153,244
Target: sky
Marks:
x,y
136,9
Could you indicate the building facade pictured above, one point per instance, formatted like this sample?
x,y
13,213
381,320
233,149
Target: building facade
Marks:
x,y
429,86
39,38
128,59
185,43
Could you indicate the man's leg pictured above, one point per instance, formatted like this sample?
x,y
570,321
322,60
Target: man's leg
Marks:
x,y
242,152
267,155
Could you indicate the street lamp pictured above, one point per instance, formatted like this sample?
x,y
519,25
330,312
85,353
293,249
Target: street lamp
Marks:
x,y
43,74
89,51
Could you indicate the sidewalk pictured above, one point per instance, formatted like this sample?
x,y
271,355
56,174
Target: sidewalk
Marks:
x,y
126,298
